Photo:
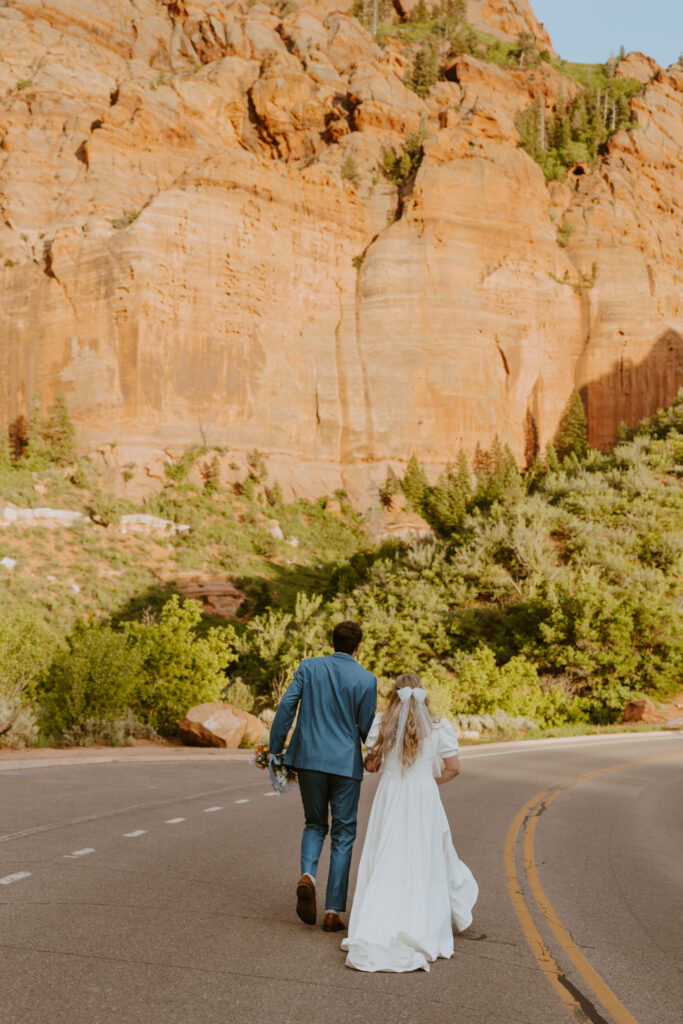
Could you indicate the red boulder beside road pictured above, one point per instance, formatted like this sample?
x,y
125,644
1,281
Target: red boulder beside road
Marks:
x,y
220,725
641,711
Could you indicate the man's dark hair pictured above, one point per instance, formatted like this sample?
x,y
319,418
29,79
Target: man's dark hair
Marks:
x,y
346,637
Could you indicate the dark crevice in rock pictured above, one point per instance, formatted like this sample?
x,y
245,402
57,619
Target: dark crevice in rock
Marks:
x,y
339,120
504,358
47,260
261,129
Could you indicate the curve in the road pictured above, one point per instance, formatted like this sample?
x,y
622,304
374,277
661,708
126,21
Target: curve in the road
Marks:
x,y
579,1006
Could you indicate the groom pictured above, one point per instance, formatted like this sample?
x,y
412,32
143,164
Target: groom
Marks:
x,y
336,700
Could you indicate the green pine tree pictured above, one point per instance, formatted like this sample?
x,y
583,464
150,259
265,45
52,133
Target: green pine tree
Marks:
x,y
623,433
572,433
498,478
463,478
59,434
445,504
415,483
419,12
535,474
35,453
425,70
551,460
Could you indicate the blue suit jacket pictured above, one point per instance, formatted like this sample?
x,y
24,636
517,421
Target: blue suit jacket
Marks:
x,y
336,698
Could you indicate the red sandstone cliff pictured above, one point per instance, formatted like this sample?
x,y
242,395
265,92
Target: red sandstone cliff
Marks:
x,y
181,253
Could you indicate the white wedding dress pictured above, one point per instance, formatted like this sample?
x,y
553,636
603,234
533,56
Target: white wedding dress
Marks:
x,y
411,885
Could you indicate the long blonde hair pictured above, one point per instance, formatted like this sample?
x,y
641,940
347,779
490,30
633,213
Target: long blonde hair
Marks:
x,y
416,724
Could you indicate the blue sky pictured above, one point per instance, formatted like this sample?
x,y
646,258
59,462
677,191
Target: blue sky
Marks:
x,y
589,30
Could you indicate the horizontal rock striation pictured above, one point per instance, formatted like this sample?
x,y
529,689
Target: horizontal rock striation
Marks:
x,y
199,244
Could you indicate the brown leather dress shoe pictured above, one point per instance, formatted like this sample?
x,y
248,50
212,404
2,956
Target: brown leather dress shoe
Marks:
x,y
333,923
305,900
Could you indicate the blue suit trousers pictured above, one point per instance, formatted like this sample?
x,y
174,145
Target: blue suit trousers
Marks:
x,y
320,793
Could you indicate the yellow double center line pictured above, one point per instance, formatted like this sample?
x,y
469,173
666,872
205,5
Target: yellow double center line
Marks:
x,y
576,1003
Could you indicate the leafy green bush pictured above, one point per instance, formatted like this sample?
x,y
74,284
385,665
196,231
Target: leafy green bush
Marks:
x,y
239,695
178,667
350,172
27,646
177,469
111,732
514,687
401,168
97,676
557,596
18,723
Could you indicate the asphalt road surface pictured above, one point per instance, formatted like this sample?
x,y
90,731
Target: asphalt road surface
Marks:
x,y
165,893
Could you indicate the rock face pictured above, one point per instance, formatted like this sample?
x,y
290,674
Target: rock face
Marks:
x,y
638,67
220,725
508,19
218,593
199,246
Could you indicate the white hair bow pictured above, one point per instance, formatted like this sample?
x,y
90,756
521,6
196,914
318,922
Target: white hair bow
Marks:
x,y
406,692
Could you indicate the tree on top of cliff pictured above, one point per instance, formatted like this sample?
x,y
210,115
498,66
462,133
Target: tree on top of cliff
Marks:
x,y
572,433
577,132
527,49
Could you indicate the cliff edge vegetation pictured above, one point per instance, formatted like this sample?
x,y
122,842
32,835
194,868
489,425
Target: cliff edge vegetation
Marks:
x,y
554,595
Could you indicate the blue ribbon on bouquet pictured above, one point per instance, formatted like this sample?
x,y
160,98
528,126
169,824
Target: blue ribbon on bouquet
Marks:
x,y
278,780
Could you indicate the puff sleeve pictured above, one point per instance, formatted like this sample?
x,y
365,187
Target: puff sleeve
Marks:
x,y
371,737
448,745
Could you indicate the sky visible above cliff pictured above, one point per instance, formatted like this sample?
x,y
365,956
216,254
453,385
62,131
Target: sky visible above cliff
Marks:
x,y
590,30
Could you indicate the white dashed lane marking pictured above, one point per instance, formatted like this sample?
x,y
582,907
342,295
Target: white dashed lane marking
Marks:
x,y
271,794
16,877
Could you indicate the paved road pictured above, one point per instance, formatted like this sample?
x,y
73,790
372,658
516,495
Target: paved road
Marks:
x,y
164,893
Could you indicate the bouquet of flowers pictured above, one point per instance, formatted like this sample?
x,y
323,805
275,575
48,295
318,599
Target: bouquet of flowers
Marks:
x,y
281,775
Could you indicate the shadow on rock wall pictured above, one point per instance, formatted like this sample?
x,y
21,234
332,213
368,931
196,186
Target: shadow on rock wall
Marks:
x,y
632,391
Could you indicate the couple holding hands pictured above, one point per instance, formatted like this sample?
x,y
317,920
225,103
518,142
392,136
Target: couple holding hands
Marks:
x,y
411,886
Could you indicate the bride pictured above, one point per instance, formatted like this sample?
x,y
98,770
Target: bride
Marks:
x,y
411,885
